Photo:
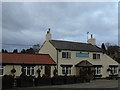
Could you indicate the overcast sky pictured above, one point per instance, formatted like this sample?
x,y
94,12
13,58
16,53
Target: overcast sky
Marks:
x,y
27,23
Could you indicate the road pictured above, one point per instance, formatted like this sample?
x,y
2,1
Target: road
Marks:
x,y
93,85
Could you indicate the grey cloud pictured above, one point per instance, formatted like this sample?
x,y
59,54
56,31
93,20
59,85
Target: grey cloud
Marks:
x,y
68,21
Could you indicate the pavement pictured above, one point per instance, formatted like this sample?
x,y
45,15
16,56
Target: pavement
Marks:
x,y
101,84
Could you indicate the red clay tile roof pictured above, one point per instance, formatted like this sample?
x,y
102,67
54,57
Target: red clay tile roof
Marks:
x,y
12,58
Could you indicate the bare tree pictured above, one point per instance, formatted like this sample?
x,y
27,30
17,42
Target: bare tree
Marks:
x,y
36,48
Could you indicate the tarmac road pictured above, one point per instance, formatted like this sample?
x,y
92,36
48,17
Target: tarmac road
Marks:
x,y
93,85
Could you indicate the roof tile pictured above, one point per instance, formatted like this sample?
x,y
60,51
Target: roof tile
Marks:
x,y
14,58
74,46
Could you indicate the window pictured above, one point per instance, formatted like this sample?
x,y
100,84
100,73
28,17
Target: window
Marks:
x,y
114,70
66,55
1,70
66,70
29,70
63,70
97,70
96,56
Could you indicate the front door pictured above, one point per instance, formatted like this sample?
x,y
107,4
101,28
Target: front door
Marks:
x,y
87,70
47,70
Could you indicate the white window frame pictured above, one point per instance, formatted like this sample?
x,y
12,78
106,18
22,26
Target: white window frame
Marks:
x,y
114,70
66,68
97,57
67,55
98,70
2,68
63,70
29,68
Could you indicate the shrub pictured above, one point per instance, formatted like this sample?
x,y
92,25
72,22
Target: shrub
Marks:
x,y
7,81
58,80
39,73
69,79
45,76
24,81
79,79
44,80
87,78
13,70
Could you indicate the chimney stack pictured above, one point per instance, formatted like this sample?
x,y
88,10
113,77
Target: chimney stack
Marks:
x,y
48,35
92,40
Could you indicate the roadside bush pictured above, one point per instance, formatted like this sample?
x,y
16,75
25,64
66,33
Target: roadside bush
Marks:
x,y
44,80
7,81
87,78
25,81
79,79
58,80
69,79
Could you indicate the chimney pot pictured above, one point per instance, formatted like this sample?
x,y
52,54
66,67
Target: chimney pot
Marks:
x,y
48,35
91,36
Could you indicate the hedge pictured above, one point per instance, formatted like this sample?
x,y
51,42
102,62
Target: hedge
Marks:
x,y
7,81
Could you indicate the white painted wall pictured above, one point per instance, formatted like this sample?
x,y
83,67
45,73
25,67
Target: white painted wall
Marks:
x,y
105,60
48,48
119,71
8,68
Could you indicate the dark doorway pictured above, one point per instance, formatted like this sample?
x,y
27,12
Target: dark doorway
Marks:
x,y
87,70
47,70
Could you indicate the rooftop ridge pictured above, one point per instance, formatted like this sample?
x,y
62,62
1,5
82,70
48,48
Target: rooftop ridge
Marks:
x,y
72,42
77,46
25,53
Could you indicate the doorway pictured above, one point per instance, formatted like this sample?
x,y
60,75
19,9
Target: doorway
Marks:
x,y
86,70
47,70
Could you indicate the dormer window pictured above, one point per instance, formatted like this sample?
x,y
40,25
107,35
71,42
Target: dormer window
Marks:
x,y
96,56
66,55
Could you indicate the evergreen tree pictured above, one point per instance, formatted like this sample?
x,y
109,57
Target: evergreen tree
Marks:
x,y
30,51
103,47
15,51
5,51
23,51
112,49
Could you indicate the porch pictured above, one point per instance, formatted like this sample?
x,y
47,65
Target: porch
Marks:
x,y
85,68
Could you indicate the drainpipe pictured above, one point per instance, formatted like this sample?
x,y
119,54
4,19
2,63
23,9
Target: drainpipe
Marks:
x,y
57,61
